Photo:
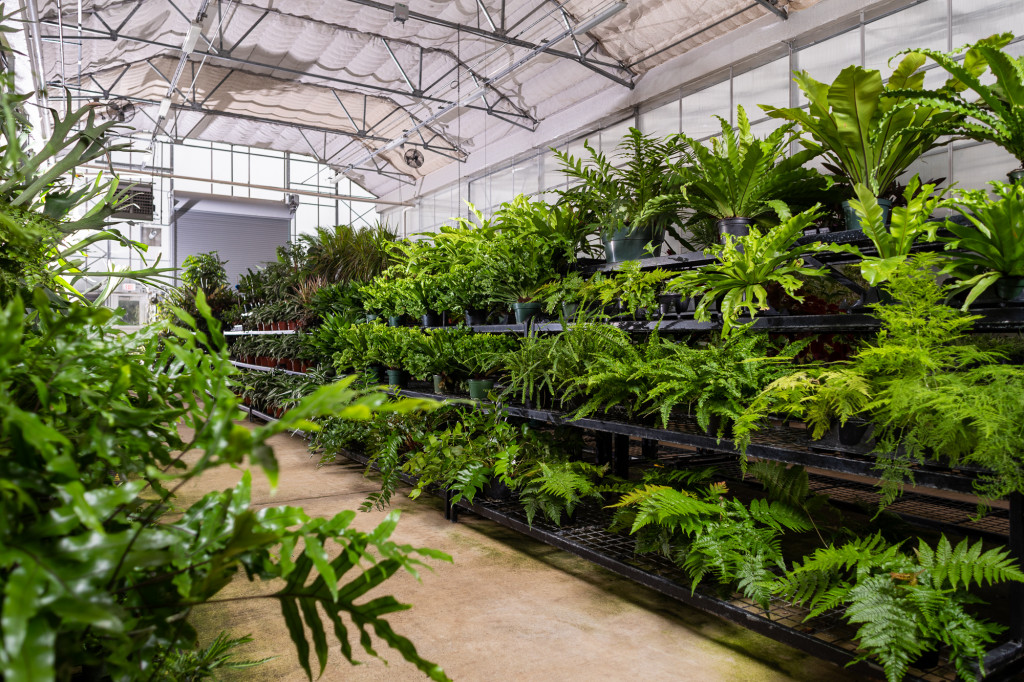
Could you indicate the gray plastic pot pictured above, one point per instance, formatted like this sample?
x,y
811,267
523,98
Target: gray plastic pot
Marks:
x,y
626,244
853,220
478,388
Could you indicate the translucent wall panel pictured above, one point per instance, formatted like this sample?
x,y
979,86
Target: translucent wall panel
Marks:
x,y
923,25
221,170
240,173
662,121
768,84
525,178
613,135
552,176
975,19
192,161
974,166
933,167
502,188
699,108
266,171
825,60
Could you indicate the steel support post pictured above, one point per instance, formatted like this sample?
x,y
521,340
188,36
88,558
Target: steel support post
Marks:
x,y
603,447
620,464
1017,551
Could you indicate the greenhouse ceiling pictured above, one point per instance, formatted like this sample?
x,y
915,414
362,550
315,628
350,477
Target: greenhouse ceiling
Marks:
x,y
385,93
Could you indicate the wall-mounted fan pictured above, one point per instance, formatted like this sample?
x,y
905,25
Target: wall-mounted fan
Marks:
x,y
120,110
413,158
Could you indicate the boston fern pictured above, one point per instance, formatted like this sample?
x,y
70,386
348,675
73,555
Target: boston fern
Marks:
x,y
641,187
556,488
712,536
716,380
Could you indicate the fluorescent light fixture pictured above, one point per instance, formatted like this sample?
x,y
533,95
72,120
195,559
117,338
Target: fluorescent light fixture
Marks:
x,y
599,17
397,142
192,37
474,96
165,108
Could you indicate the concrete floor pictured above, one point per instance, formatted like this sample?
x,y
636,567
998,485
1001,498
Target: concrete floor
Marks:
x,y
508,608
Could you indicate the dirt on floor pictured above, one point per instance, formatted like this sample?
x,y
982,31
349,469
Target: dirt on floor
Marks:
x,y
507,608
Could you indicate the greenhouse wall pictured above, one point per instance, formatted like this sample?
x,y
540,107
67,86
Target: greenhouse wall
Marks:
x,y
696,86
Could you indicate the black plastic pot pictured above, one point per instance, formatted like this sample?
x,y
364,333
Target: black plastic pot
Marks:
x,y
737,227
476,318
495,489
478,388
670,304
398,378
527,311
1011,289
1016,177
431,319
627,244
853,220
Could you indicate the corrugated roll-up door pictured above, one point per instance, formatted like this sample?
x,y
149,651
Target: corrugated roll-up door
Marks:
x,y
242,239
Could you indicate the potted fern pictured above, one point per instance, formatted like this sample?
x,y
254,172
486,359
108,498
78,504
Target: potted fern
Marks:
x,y
636,202
513,268
989,249
997,115
739,179
868,132
746,265
479,358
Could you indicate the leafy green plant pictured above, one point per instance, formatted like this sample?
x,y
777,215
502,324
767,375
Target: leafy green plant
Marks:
x,y
997,115
638,288
715,382
910,221
480,356
711,536
347,254
136,580
435,352
638,193
905,604
194,664
556,488
390,296
463,458
868,132
742,176
747,265
991,246
568,290
391,345
513,267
